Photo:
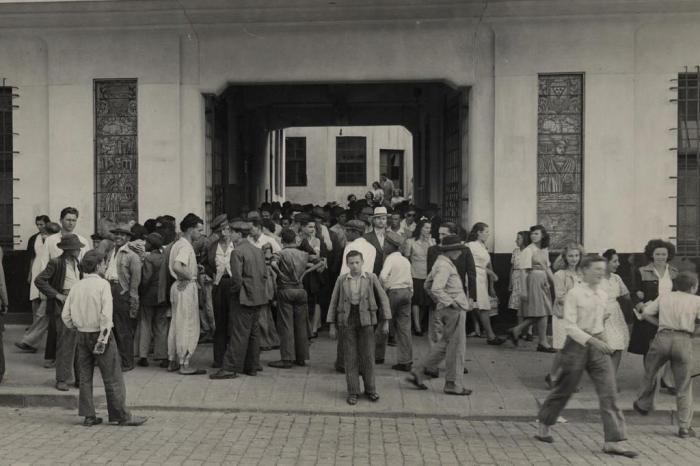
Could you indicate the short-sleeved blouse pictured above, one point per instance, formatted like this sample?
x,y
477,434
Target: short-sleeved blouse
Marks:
x,y
533,257
417,253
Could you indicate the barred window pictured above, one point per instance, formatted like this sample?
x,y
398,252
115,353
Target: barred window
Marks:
x,y
295,161
688,205
6,149
350,161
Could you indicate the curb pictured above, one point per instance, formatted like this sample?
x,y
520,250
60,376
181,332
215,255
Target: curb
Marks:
x,y
67,401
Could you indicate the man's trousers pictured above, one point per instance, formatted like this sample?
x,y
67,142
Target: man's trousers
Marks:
x,y
123,333
292,318
358,351
243,352
221,296
400,302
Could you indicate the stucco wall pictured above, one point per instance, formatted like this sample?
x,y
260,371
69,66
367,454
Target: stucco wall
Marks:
x,y
321,166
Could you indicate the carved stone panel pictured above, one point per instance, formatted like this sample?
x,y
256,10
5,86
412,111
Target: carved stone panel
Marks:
x,y
560,157
116,150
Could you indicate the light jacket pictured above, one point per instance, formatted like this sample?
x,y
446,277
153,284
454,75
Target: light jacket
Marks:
x,y
372,298
129,274
445,286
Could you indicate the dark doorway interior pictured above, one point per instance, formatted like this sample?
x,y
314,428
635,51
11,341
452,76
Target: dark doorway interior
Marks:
x,y
391,165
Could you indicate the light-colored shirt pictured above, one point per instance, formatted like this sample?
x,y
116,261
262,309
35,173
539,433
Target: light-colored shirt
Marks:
x,y
112,273
355,288
54,251
72,275
406,229
381,234
222,261
263,240
183,252
676,310
665,282
396,272
446,286
88,307
584,312
364,247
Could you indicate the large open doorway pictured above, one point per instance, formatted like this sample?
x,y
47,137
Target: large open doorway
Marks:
x,y
247,144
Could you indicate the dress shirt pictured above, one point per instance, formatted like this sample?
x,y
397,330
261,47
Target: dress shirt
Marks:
x,y
445,285
72,275
355,288
676,310
54,251
584,312
665,282
381,234
88,307
223,262
364,247
263,240
111,273
396,272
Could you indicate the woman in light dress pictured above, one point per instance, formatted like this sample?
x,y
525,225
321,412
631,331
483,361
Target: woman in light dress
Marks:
x,y
537,285
522,239
567,275
617,334
482,259
416,250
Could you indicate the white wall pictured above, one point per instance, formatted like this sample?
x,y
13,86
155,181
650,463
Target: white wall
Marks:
x,y
320,160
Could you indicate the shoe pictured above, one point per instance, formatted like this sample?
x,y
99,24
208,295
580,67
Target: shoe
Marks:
x,y
173,366
49,364
462,392
495,341
265,348
402,367
512,337
545,438
164,364
280,364
432,374
25,347
686,433
133,421
222,374
352,400
465,371
313,335
373,397
473,335
391,342
300,363
191,371
620,452
127,369
545,349
62,387
92,421
643,412
379,361
251,373
415,381
527,337
669,390
76,384
143,362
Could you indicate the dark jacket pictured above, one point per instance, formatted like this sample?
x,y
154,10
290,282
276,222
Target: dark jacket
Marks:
x,y
248,274
165,279
465,266
50,281
150,278
209,262
646,282
381,252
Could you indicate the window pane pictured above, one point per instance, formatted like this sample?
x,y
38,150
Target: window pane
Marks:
x,y
688,190
295,161
6,162
351,161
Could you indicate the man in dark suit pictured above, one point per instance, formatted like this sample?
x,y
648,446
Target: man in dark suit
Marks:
x,y
376,237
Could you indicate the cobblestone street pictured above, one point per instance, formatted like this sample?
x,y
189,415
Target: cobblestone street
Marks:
x,y
55,436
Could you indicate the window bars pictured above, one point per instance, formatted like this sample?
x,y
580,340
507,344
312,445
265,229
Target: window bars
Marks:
x,y
7,153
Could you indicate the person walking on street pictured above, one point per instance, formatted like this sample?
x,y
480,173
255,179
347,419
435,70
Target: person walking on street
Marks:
x,y
88,312
357,298
446,287
57,279
586,351
248,274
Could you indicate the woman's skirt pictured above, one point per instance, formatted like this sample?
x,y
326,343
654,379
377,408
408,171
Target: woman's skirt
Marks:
x,y
539,295
420,296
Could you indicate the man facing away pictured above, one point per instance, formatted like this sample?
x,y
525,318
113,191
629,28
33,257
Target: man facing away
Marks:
x,y
585,350
88,311
357,298
445,287
124,276
677,315
248,274
183,336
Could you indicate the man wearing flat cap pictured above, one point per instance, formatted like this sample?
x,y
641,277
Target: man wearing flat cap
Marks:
x,y
124,276
153,319
248,275
59,276
445,286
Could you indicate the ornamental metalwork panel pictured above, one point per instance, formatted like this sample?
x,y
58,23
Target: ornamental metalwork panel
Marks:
x,y
560,157
6,162
116,150
452,167
688,189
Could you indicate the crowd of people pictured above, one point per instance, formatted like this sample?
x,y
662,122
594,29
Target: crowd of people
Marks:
x,y
374,275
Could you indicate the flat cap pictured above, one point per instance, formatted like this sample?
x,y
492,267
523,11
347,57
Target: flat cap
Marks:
x,y
356,225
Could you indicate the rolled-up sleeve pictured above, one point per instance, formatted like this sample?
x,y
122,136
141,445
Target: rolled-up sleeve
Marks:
x,y
571,317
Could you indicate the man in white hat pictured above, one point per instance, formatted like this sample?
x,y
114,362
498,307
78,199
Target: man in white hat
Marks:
x,y
377,237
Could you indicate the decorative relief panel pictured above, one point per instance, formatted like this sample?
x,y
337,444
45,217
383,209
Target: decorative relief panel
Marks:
x,y
116,150
560,157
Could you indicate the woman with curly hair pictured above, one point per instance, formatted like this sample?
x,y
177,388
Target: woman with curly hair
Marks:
x,y
651,281
537,284
415,249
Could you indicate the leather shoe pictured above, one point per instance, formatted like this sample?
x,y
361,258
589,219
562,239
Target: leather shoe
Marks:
x,y
92,421
62,386
432,374
639,410
251,373
545,349
402,367
686,433
379,361
222,374
300,363
25,347
280,364
133,421
143,362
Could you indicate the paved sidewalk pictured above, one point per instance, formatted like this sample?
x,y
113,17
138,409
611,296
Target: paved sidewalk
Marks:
x,y
507,383
54,436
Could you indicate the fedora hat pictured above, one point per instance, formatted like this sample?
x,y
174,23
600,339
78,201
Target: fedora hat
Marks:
x,y
219,222
70,242
122,229
380,212
452,243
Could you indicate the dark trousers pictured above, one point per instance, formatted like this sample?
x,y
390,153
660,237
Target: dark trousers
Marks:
x,y
292,318
243,352
110,369
358,342
399,327
153,327
575,359
66,361
50,348
221,296
2,350
122,331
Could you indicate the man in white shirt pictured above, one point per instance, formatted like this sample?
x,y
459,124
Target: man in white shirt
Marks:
x,y
69,220
397,280
88,310
354,230
586,350
260,239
